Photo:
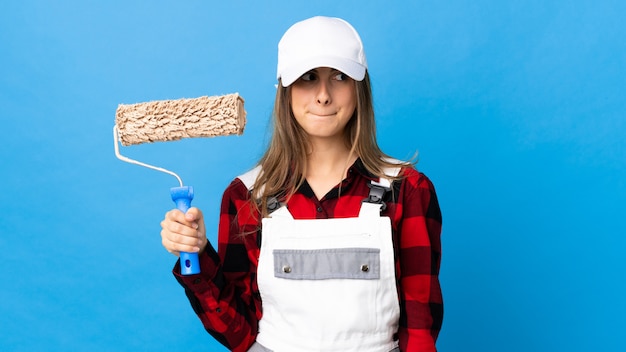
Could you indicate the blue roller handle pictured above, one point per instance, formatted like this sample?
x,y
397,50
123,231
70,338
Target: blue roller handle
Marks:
x,y
182,196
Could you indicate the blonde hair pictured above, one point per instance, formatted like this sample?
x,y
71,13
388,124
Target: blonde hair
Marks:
x,y
284,161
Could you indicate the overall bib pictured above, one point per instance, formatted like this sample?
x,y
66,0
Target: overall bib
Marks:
x,y
327,284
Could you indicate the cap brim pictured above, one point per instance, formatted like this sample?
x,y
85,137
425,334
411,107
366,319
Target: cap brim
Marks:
x,y
353,69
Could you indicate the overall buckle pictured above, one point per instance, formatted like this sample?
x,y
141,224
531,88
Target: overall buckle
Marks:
x,y
377,192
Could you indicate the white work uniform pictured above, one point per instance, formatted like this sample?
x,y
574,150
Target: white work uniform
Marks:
x,y
327,284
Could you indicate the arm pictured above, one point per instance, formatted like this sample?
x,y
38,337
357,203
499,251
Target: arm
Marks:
x,y
224,295
421,303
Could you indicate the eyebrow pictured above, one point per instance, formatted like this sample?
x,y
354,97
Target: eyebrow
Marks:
x,y
332,70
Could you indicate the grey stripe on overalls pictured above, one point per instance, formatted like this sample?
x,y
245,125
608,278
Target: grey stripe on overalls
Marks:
x,y
329,263
257,347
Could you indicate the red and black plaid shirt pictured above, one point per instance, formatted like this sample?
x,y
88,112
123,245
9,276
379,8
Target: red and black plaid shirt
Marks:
x,y
225,294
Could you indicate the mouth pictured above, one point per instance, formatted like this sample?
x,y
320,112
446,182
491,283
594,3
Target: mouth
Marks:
x,y
322,114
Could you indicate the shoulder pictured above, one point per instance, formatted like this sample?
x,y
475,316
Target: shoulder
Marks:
x,y
239,188
413,178
249,177
404,174
417,195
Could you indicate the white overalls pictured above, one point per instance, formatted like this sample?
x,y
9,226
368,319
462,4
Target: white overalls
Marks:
x,y
327,284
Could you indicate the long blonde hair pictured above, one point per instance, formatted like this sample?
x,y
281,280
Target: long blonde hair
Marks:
x,y
284,162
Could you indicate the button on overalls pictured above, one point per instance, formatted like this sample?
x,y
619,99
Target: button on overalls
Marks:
x,y
327,284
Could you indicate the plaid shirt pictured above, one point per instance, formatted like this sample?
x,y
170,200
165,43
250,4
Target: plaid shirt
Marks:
x,y
225,294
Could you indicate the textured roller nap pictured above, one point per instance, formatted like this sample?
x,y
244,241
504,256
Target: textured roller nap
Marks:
x,y
169,120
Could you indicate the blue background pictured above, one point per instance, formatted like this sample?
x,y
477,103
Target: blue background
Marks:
x,y
517,109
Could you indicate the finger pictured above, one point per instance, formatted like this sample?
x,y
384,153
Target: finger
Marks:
x,y
169,248
195,215
175,242
176,215
174,218
180,233
183,232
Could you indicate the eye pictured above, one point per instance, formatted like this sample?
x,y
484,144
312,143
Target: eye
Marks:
x,y
309,76
340,76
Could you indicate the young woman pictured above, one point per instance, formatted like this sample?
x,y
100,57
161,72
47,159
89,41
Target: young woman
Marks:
x,y
328,244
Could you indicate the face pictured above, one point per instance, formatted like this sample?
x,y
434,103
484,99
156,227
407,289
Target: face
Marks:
x,y
323,100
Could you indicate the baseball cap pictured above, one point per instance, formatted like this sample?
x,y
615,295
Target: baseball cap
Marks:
x,y
320,42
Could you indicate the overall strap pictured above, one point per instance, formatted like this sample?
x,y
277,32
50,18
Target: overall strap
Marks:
x,y
374,204
273,205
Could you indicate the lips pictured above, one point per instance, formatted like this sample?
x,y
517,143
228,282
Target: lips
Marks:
x,y
322,114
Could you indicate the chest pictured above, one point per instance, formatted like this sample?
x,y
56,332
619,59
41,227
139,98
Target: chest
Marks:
x,y
321,186
340,201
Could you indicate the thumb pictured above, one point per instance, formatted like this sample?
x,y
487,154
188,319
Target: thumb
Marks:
x,y
195,215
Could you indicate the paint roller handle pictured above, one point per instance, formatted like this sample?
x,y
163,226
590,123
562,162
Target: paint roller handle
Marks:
x,y
182,196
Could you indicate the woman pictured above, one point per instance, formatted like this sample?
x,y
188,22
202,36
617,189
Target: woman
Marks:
x,y
328,244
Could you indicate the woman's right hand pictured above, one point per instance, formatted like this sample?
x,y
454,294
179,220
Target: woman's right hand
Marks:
x,y
183,232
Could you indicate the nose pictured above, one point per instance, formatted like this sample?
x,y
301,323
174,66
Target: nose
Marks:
x,y
323,94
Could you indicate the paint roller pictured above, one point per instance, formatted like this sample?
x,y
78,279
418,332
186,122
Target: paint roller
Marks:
x,y
171,120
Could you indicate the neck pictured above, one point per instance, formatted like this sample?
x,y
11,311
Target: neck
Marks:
x,y
329,158
327,165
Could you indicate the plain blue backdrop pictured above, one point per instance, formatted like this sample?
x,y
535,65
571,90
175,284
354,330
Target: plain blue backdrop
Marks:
x,y
517,110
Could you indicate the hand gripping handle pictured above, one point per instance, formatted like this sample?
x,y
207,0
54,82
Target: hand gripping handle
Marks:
x,y
182,196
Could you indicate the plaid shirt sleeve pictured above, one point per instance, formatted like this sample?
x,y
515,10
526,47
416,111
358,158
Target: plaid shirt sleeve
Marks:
x,y
417,224
225,295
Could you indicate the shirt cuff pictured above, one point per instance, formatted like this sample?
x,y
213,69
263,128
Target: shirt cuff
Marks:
x,y
209,266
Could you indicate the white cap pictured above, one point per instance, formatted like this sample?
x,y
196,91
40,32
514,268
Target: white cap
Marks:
x,y
320,42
